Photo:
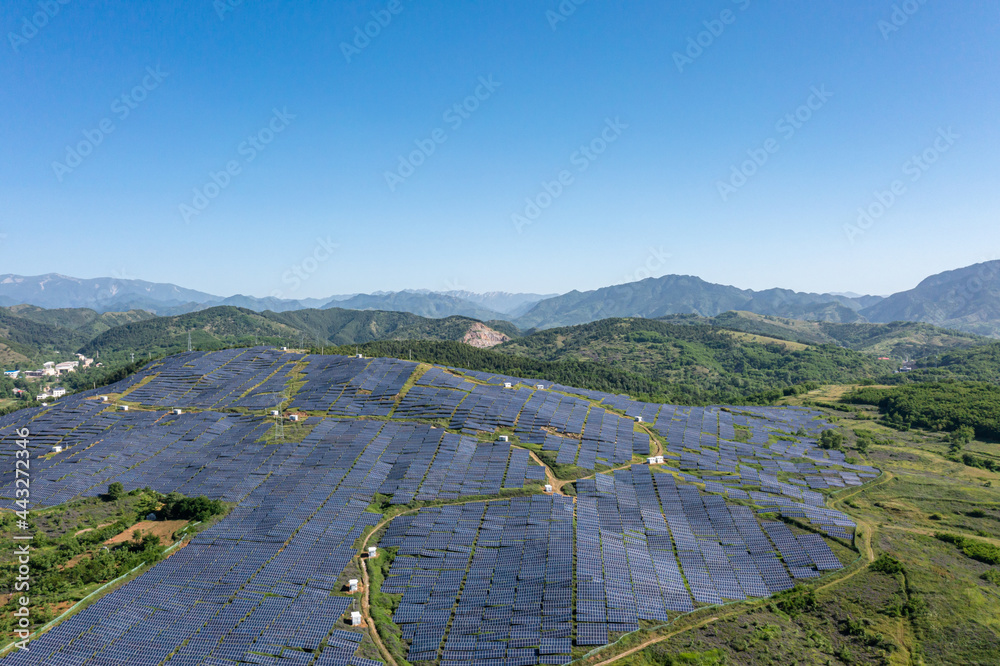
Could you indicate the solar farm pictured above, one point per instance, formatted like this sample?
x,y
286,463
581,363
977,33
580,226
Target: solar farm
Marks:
x,y
497,572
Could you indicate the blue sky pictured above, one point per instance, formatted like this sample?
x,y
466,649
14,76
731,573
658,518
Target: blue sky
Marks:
x,y
325,116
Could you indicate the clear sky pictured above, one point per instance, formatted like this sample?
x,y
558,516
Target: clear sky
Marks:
x,y
116,115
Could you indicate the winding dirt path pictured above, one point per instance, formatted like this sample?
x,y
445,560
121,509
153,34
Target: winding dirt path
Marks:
x,y
365,607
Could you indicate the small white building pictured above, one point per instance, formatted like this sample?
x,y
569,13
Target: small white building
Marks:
x,y
548,488
293,417
659,460
503,438
352,585
651,461
11,374
638,419
540,387
67,366
372,552
103,398
57,448
122,408
508,385
355,619
359,356
58,392
178,412
275,412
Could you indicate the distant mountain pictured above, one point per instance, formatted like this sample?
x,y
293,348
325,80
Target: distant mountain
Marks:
x,y
100,294
966,299
429,304
683,294
512,305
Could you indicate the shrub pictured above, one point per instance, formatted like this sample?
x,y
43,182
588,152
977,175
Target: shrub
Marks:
x,y
886,564
178,507
977,550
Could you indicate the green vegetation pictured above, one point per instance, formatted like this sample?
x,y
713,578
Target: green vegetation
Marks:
x,y
831,440
657,657
900,340
72,555
177,507
886,564
947,406
578,374
974,548
698,362
978,364
382,606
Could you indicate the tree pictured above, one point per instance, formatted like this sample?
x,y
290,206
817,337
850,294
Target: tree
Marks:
x,y
831,439
960,437
116,491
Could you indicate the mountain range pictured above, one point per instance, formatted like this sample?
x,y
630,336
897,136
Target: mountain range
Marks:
x,y
966,299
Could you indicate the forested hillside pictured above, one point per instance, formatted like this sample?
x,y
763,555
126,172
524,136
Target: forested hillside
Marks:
x,y
698,359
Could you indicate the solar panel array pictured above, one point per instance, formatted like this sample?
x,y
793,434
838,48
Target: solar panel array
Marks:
x,y
485,581
342,386
482,583
252,378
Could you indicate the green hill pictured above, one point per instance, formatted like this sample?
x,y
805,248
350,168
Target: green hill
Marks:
x,y
227,326
697,358
213,328
900,340
85,322
343,327
979,364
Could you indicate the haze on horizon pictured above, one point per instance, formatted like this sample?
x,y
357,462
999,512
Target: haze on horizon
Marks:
x,y
221,146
